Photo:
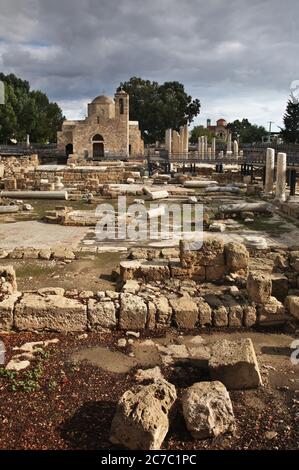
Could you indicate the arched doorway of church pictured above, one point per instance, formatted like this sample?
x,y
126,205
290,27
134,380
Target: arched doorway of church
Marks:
x,y
98,147
68,149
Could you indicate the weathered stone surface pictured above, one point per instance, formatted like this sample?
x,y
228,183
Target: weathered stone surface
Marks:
x,y
154,270
131,287
51,291
163,311
45,254
205,313
220,317
51,312
249,317
280,286
30,253
292,305
211,253
6,311
63,254
208,410
129,270
133,312
148,375
259,287
235,316
272,307
214,273
141,418
8,277
101,315
139,253
234,364
185,312
236,257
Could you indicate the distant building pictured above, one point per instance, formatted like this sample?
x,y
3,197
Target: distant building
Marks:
x,y
220,130
105,131
273,137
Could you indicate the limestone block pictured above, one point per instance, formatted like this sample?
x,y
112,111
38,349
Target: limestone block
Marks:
x,y
154,270
211,253
235,316
163,311
129,270
133,312
234,364
101,315
259,287
50,312
141,419
220,317
249,316
236,257
63,253
6,311
292,305
185,312
208,410
205,313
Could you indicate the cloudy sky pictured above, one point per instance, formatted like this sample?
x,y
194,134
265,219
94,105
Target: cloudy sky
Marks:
x,y
237,56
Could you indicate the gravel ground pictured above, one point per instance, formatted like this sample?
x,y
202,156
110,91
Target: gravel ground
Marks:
x,y
57,404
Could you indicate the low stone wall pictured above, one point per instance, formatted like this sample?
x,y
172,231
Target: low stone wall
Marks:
x,y
17,166
208,264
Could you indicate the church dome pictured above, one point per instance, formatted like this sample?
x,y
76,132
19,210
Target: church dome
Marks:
x,y
102,99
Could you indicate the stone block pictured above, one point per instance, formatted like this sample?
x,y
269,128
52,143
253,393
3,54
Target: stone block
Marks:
x,y
185,312
50,312
7,311
259,287
208,410
234,364
236,257
133,312
101,315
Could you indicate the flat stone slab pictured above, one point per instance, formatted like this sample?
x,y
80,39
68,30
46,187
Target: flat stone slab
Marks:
x,y
50,312
234,364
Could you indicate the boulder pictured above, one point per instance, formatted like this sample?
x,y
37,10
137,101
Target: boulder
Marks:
x,y
101,315
234,364
63,254
50,312
185,312
236,257
141,419
259,287
133,312
208,410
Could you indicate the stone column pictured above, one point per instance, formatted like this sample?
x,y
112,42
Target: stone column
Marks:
x,y
203,146
168,141
236,149
206,145
175,143
229,143
186,139
270,162
209,153
182,135
281,177
199,147
214,147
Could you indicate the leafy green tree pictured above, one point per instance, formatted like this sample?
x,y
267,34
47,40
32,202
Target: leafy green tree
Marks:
x,y
27,112
246,132
199,131
290,132
159,107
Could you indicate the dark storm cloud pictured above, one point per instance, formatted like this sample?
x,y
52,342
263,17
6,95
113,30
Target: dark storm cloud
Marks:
x,y
235,55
